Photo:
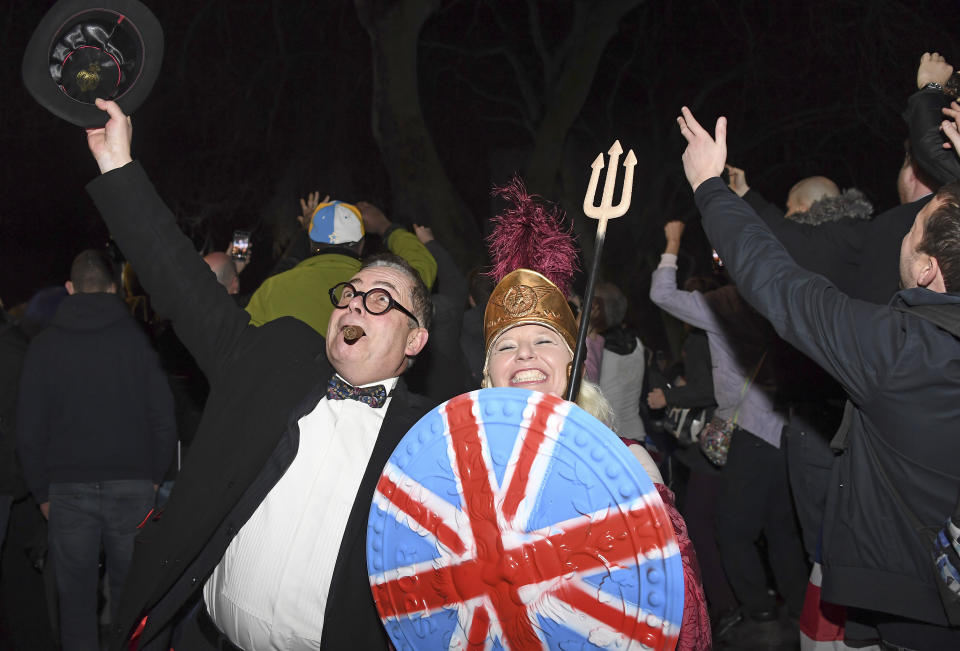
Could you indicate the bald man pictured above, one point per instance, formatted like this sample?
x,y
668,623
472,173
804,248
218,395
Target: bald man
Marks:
x,y
807,192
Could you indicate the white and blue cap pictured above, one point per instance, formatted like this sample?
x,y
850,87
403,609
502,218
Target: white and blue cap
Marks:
x,y
335,222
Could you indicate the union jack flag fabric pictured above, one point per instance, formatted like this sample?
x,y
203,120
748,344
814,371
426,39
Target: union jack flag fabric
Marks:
x,y
510,519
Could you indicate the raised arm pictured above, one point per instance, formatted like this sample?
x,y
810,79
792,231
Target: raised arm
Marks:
x,y
923,116
689,307
738,183
841,334
400,241
950,129
450,281
182,287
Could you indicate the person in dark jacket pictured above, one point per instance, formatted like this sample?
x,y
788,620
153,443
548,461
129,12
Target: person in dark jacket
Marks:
x,y
13,347
924,119
271,507
900,365
96,433
926,166
825,237
441,371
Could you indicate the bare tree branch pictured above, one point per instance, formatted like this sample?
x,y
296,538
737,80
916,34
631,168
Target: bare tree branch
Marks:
x,y
536,36
532,109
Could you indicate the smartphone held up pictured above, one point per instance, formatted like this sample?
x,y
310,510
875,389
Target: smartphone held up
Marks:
x,y
241,245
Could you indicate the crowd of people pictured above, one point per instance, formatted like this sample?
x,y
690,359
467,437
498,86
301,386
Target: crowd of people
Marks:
x,y
216,453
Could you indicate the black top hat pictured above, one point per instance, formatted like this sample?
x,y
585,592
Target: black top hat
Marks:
x,y
85,49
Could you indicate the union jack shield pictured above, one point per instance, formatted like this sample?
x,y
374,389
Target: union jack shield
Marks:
x,y
510,519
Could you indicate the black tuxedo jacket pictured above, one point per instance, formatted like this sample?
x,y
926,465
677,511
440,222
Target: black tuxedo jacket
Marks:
x,y
263,380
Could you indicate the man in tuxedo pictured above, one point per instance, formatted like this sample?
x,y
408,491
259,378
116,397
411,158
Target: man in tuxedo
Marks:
x,y
262,544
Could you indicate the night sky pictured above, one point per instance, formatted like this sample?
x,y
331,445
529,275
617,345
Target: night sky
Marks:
x,y
260,102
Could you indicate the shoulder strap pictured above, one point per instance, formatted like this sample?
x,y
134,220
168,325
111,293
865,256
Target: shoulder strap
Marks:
x,y
746,385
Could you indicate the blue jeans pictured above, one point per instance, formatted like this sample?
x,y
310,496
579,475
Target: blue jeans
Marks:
x,y
82,517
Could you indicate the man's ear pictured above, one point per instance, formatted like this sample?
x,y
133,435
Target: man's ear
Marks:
x,y
70,289
931,277
416,340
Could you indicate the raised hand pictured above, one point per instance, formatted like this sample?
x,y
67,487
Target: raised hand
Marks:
x,y
308,206
673,230
951,129
423,233
374,221
933,69
738,180
704,156
240,262
110,144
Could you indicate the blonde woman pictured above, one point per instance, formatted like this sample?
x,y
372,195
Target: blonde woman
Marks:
x,y
529,337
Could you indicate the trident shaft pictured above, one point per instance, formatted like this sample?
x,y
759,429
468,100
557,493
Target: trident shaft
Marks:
x,y
606,210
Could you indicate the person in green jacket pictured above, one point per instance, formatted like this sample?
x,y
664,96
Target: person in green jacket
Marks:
x,y
336,231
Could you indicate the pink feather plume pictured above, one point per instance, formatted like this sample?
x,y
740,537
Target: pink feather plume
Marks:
x,y
531,234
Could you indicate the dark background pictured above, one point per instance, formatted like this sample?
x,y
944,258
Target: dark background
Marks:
x,y
260,102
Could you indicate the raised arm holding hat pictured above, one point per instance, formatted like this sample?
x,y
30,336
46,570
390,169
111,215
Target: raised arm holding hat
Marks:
x,y
262,541
83,51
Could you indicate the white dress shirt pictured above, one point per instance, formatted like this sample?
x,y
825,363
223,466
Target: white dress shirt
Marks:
x,y
269,590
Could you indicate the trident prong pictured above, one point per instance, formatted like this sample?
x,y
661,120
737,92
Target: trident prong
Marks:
x,y
606,209
596,166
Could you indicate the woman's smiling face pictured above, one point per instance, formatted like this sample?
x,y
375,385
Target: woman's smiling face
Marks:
x,y
530,357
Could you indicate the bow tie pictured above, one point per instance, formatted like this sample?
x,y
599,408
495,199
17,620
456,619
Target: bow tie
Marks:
x,y
373,396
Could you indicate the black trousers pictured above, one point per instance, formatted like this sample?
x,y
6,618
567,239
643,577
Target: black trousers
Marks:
x,y
755,500
697,497
809,460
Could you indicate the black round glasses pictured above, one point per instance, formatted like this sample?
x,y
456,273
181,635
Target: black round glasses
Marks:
x,y
375,301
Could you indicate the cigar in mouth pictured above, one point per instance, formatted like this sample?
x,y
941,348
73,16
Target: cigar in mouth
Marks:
x,y
352,334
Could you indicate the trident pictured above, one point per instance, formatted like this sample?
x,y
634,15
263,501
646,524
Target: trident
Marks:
x,y
606,210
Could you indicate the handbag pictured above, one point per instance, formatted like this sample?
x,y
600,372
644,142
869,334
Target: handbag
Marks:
x,y
716,436
715,441
687,423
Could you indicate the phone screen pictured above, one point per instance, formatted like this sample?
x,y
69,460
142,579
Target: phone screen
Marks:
x,y
241,244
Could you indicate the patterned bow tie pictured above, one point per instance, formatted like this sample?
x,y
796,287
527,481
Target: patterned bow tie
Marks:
x,y
373,396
